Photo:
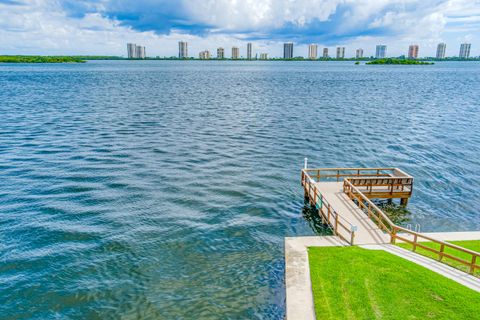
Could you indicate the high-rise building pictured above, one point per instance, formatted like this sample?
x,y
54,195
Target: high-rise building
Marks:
x,y
135,52
312,51
235,53
413,51
220,53
381,51
359,53
204,55
325,52
263,56
140,52
249,51
465,50
288,50
131,50
340,52
183,50
441,50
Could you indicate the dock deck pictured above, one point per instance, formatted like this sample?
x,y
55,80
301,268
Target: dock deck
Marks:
x,y
367,232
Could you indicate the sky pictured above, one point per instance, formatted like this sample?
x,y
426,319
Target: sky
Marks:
x,y
104,27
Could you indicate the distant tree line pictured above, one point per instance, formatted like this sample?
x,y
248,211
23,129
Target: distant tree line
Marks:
x,y
84,58
398,61
40,59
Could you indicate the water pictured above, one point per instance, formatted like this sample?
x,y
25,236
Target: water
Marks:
x,y
165,189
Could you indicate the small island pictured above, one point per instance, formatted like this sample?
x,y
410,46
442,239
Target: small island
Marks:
x,y
40,59
398,61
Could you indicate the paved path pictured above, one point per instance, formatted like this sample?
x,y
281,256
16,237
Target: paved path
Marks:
x,y
297,274
300,303
446,236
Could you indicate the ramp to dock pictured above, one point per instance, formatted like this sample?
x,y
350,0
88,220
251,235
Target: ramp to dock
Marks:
x,y
367,232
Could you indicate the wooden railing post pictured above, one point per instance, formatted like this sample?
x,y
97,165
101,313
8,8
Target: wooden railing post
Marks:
x,y
336,223
328,214
442,249
415,239
393,236
474,262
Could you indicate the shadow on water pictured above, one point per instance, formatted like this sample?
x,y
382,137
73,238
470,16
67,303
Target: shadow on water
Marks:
x,y
398,213
310,213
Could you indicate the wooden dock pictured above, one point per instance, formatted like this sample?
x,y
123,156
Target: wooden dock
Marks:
x,y
342,198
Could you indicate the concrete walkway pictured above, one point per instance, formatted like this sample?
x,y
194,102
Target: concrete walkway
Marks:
x,y
446,236
299,294
297,274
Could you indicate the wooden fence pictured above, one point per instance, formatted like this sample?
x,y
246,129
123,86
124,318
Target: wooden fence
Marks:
x,y
409,236
340,227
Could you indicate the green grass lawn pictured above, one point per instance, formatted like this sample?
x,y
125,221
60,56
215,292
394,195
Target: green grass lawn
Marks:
x,y
356,283
472,245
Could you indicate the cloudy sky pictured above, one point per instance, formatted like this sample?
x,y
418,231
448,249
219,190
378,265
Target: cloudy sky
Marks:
x,y
104,27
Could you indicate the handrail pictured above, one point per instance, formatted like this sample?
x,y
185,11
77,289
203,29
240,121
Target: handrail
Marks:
x,y
396,185
392,229
358,172
326,211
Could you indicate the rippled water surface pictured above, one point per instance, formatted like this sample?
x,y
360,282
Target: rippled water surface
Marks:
x,y
164,190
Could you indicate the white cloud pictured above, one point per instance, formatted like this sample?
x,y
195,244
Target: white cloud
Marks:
x,y
43,27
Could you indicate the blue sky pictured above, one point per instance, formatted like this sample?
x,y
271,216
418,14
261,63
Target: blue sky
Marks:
x,y
105,26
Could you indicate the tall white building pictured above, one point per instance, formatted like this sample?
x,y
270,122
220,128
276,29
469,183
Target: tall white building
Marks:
x,y
380,51
413,51
312,51
220,53
263,56
325,52
131,50
183,50
235,53
441,50
204,55
135,52
249,51
340,52
359,53
140,52
465,50
288,50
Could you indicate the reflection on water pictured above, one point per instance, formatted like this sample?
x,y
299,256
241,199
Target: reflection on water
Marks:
x,y
157,189
310,214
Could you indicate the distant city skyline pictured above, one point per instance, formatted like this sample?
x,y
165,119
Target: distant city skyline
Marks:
x,y
134,51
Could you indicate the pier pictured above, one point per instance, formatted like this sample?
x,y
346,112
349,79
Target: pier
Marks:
x,y
346,207
342,197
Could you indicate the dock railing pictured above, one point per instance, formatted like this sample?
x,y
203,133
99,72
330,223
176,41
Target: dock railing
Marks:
x,y
384,223
329,174
340,227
